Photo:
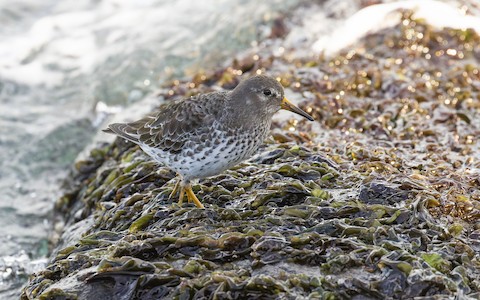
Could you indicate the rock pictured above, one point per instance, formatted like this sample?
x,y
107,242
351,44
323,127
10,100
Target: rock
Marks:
x,y
291,223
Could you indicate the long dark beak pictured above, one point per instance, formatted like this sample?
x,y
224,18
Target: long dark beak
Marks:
x,y
289,106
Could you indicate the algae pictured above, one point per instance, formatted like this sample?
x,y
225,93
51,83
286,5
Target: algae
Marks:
x,y
380,200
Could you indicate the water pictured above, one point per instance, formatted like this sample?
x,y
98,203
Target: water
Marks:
x,y
61,62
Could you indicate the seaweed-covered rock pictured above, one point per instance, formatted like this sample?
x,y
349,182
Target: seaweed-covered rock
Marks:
x,y
378,200
381,193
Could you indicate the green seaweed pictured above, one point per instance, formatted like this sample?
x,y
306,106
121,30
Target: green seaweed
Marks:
x,y
378,200
140,223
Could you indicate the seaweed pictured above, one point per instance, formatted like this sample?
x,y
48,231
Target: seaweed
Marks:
x,y
379,199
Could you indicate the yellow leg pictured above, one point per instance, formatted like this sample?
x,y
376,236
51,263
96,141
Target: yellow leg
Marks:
x,y
175,190
192,198
180,198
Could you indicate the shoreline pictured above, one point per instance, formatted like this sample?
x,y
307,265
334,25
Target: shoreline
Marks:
x,y
379,198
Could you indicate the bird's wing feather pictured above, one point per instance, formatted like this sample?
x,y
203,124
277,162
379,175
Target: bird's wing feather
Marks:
x,y
175,124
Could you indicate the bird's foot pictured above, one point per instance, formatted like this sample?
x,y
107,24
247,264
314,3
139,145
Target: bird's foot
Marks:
x,y
190,196
175,190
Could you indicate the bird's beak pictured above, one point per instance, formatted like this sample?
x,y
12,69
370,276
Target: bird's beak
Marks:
x,y
289,106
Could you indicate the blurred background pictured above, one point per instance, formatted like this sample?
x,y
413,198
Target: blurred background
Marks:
x,y
66,66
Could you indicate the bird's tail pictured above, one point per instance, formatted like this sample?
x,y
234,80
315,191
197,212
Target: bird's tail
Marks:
x,y
124,131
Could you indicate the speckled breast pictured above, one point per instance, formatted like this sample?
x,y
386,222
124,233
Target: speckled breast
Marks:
x,y
207,156
219,156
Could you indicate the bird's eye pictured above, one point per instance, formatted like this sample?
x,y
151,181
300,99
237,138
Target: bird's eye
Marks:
x,y
267,92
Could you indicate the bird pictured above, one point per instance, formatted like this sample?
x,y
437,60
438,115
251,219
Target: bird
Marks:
x,y
206,134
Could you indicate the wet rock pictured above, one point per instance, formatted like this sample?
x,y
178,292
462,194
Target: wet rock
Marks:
x,y
382,193
377,200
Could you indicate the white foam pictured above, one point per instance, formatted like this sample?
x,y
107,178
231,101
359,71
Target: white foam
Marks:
x,y
376,17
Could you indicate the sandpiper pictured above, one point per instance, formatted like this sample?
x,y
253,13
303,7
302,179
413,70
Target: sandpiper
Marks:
x,y
204,135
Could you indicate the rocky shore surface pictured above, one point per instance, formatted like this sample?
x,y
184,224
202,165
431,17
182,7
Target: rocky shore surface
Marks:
x,y
378,199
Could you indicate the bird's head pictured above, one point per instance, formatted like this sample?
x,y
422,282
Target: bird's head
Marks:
x,y
262,95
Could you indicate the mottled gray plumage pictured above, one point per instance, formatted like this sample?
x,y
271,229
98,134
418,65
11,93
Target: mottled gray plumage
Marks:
x,y
204,135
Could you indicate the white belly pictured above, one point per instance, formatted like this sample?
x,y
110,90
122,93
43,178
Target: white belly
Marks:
x,y
209,161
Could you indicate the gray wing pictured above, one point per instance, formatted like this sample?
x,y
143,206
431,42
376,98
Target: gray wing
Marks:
x,y
175,124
